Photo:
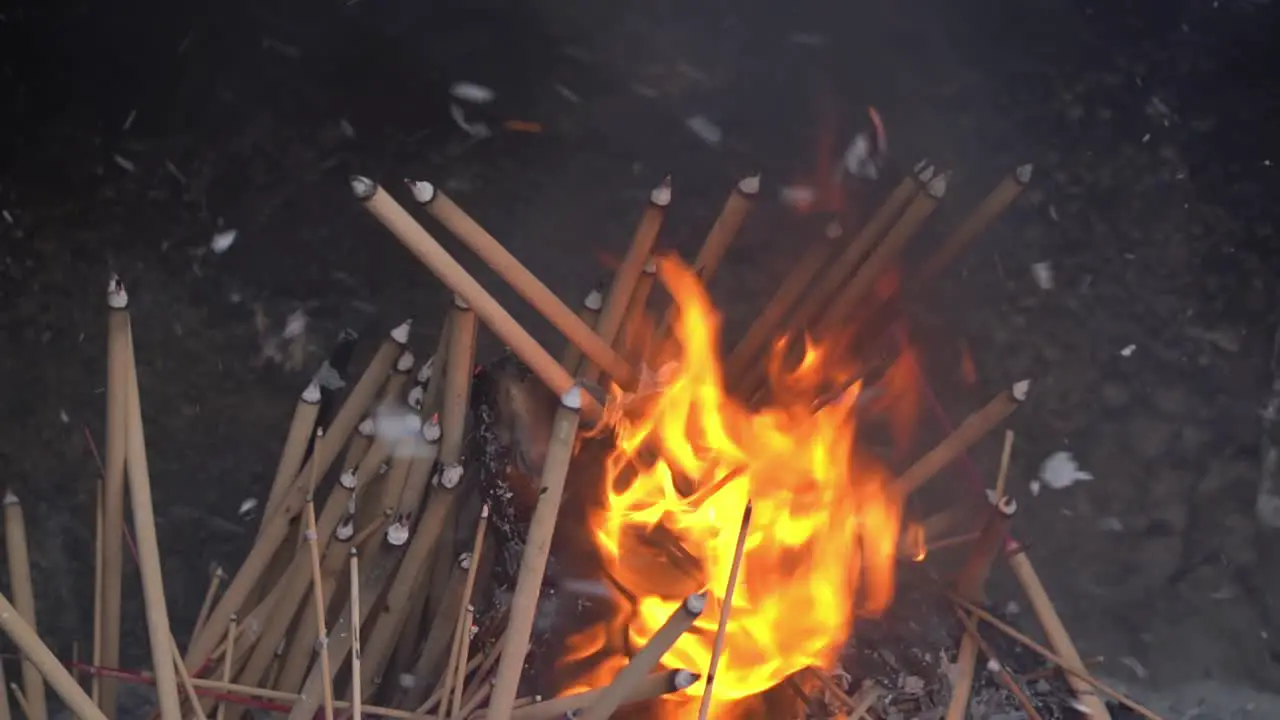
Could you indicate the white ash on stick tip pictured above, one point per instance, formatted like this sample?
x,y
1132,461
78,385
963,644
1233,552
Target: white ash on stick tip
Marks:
x,y
362,187
10,498
423,192
572,398
1023,173
1020,390
651,267
424,372
398,533
117,296
417,395
400,333
311,393
750,185
464,561
1007,506
920,166
367,427
345,530
348,479
450,476
926,174
408,681
834,230
405,362
594,300
431,430
661,195
937,187
484,511
460,303
355,552
684,679
696,603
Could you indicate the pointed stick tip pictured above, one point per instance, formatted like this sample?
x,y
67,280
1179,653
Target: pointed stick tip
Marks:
x,y
1021,389
1023,173
117,296
594,300
400,333
661,195
423,191
362,187
10,498
750,185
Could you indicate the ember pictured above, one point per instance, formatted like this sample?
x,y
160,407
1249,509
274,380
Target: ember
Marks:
x,y
687,460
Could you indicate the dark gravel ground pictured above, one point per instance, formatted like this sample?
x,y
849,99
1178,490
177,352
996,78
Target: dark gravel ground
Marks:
x,y
1149,123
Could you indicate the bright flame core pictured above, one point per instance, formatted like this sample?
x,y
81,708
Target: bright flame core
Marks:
x,y
824,533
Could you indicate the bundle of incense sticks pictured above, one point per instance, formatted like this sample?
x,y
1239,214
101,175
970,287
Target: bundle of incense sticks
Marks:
x,y
382,593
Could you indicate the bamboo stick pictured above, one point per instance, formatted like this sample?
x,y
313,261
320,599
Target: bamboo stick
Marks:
x,y
185,678
640,665
856,290
1010,682
24,597
94,682
38,654
415,487
20,699
533,564
317,586
590,314
438,644
976,223
481,684
460,664
356,693
726,227
726,607
651,687
118,353
1056,631
359,443
228,660
437,259
398,380
480,664
296,441
1070,667
276,528
497,257
769,322
969,432
5,713
626,279
149,565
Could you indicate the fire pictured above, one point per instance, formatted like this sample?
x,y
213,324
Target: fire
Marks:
x,y
822,542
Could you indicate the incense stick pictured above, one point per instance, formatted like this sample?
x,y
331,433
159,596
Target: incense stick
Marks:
x,y
441,263
726,607
185,678
357,694
533,564
215,581
1005,454
628,341
276,528
94,681
653,686
529,287
228,660
295,445
460,664
1010,683
118,353
38,654
635,671
318,596
462,633
969,432
978,220
149,565
726,227
590,314
24,596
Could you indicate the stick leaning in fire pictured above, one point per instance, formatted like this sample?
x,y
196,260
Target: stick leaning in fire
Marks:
x,y
24,597
726,607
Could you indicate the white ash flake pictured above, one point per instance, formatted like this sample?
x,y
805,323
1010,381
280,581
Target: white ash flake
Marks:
x,y
706,130
223,240
248,509
1127,350
477,130
1042,273
124,162
295,325
858,158
62,415
1060,470
472,92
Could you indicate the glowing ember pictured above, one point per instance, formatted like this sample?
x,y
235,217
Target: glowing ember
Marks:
x,y
823,539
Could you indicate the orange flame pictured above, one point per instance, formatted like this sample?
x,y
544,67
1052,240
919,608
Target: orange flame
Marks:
x,y
687,459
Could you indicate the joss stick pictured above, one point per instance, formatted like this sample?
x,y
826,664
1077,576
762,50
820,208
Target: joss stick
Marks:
x,y
483,662
118,352
497,257
590,314
149,566
415,485
974,225
5,713
971,584
38,654
850,297
24,597
301,428
726,227
228,660
457,382
398,380
215,581
1004,463
438,644
94,680
1072,670
462,634
628,341
1054,629
427,249
276,527
643,662
650,687
726,606
626,279
969,432
533,564
437,363
843,266
357,696
1010,682
318,596
21,700
359,444
460,663
481,683
769,321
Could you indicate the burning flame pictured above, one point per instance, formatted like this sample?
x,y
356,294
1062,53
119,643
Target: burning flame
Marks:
x,y
687,459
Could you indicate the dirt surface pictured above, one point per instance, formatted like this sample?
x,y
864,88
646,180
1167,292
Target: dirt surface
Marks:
x,y
135,134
